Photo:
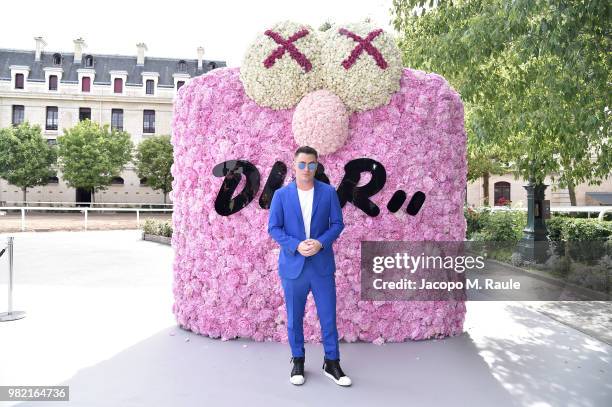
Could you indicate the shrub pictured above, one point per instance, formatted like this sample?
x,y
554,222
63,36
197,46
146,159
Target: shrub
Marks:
x,y
582,230
555,226
562,228
501,226
156,227
149,227
165,229
581,239
475,219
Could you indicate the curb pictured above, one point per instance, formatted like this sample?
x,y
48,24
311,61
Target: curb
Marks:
x,y
158,239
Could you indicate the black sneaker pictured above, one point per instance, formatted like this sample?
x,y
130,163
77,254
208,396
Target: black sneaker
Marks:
x,y
297,373
332,369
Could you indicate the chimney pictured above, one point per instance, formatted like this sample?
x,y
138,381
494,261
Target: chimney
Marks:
x,y
40,45
79,45
141,50
200,57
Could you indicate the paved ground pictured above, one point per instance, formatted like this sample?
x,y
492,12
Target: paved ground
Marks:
x,y
41,222
99,319
591,317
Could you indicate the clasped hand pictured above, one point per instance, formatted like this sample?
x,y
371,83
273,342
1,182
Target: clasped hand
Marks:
x,y
309,247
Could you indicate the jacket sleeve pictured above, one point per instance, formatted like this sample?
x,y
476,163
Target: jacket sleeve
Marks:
x,y
336,224
276,226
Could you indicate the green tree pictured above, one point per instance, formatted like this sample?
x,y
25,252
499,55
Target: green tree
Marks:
x,y
91,155
154,160
484,161
26,159
534,76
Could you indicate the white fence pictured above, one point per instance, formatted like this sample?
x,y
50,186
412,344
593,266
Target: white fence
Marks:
x,y
85,211
82,204
602,210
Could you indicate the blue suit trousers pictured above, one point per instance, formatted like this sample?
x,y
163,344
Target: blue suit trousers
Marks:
x,y
324,293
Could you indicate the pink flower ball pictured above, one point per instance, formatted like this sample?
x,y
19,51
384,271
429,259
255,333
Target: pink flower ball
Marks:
x,y
320,121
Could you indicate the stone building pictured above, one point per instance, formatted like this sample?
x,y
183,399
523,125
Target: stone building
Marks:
x,y
57,89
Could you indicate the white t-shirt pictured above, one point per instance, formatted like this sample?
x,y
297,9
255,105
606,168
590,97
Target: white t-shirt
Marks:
x,y
306,198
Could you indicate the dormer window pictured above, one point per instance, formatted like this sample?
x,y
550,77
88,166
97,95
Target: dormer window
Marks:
x,y
53,82
182,66
19,81
19,75
180,79
53,76
86,77
89,61
86,84
57,59
118,85
118,81
150,85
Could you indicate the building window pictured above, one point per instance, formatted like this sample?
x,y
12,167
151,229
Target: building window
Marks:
x,y
118,85
501,194
84,113
18,114
51,142
148,124
53,82
86,84
53,180
182,65
51,123
57,59
179,84
143,182
88,61
19,81
150,86
212,65
117,181
117,119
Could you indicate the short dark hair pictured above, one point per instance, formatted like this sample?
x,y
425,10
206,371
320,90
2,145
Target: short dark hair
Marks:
x,y
307,150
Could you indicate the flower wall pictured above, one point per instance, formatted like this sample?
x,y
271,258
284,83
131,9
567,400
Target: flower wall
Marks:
x,y
226,281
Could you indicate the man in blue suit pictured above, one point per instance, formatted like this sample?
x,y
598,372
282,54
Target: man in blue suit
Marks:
x,y
305,219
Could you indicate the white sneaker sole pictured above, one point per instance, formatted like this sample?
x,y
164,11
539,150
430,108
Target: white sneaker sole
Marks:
x,y
297,380
339,382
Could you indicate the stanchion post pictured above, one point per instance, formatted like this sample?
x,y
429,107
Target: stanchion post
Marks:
x,y
11,315
23,219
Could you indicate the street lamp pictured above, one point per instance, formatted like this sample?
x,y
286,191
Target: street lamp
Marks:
x,y
534,244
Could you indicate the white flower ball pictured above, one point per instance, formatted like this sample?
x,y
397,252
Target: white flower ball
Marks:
x,y
282,65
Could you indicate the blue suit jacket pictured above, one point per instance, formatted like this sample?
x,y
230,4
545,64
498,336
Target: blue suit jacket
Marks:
x,y
286,226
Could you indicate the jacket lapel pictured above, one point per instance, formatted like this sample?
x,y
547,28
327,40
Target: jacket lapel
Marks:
x,y
316,198
295,203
